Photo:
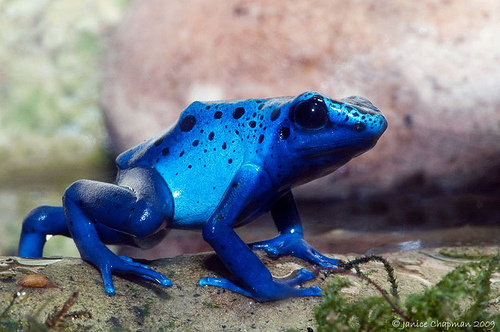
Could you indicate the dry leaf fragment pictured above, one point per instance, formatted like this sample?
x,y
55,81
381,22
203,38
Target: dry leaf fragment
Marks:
x,y
36,281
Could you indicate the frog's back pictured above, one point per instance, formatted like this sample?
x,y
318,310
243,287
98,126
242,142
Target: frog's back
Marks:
x,y
194,131
199,156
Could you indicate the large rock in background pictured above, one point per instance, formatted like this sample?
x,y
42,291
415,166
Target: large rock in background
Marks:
x,y
432,67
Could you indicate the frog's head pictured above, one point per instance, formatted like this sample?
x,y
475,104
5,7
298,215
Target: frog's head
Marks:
x,y
322,134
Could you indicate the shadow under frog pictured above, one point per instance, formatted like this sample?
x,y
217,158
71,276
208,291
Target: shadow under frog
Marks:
x,y
221,166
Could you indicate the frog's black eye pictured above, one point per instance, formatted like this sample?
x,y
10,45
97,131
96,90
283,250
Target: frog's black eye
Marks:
x,y
310,114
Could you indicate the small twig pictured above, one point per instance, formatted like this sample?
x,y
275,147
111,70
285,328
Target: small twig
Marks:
x,y
53,321
374,284
79,314
363,260
14,297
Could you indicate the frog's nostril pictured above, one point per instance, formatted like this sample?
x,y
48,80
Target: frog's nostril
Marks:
x,y
359,126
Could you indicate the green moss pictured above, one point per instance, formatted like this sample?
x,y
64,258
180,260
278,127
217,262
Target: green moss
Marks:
x,y
465,253
338,314
459,302
210,304
8,324
143,312
170,326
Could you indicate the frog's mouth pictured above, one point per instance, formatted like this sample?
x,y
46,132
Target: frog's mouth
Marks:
x,y
352,147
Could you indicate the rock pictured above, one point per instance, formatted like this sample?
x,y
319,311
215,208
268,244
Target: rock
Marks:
x,y
432,67
139,305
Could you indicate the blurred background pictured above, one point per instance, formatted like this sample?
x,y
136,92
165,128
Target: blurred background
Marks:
x,y
81,81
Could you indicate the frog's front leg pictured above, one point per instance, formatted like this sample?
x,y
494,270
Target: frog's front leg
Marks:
x,y
140,206
291,241
253,278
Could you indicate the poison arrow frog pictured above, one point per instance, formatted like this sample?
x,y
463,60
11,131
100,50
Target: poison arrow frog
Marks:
x,y
222,165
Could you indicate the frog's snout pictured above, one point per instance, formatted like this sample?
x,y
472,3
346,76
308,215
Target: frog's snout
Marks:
x,y
362,104
368,118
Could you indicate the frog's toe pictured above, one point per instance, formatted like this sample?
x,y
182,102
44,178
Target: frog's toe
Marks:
x,y
273,291
328,262
309,291
302,276
270,247
126,259
149,274
308,253
223,283
142,271
108,281
130,261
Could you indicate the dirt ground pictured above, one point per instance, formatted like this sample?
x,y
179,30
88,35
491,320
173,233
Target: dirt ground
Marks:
x,y
140,306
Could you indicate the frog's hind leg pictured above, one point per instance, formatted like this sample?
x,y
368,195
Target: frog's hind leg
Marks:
x,y
40,222
291,241
140,207
50,220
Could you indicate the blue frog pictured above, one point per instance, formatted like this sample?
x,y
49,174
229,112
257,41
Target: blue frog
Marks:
x,y
222,165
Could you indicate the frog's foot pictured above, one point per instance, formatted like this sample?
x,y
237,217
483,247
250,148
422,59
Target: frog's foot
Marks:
x,y
302,276
275,290
139,265
294,245
123,264
223,283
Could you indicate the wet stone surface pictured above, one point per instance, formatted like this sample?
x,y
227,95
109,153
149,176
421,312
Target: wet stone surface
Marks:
x,y
139,305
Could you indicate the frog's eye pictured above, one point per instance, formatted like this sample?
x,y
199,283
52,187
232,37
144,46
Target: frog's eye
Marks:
x,y
310,114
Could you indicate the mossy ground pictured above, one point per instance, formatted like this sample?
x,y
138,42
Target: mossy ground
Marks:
x,y
463,300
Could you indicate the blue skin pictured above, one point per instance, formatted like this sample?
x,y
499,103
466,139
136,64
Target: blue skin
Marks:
x,y
221,166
